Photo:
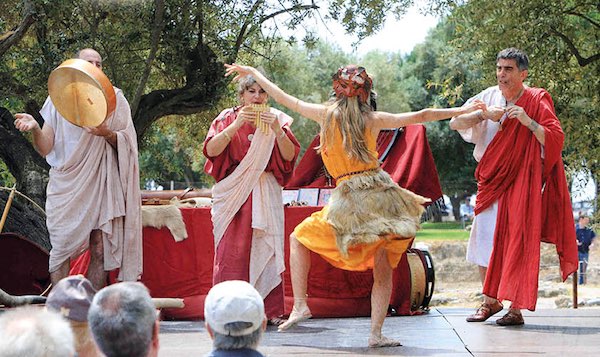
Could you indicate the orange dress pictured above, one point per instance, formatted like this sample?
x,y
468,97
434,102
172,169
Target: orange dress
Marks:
x,y
319,234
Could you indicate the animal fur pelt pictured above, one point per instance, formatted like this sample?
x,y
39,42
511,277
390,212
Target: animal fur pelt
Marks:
x,y
193,202
165,216
12,301
368,207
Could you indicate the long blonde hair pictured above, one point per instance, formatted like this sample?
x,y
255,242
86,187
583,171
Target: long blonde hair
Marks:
x,y
349,117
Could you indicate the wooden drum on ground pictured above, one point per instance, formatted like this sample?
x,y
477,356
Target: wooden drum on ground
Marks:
x,y
81,92
422,277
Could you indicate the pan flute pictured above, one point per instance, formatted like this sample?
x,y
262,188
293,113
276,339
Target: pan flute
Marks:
x,y
257,109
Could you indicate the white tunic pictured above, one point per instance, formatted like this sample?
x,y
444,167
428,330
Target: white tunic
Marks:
x,y
66,135
481,134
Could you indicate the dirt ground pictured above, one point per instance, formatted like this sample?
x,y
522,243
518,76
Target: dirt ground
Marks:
x,y
457,281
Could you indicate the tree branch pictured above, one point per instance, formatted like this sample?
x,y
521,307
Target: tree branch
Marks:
x,y
244,30
242,34
584,17
203,89
157,28
8,39
295,8
574,51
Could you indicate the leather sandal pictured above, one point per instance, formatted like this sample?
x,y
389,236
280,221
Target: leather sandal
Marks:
x,y
511,319
485,311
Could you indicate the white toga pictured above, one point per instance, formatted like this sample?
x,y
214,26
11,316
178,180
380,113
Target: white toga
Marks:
x,y
93,186
481,134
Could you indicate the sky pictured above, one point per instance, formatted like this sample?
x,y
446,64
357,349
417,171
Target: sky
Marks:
x,y
396,35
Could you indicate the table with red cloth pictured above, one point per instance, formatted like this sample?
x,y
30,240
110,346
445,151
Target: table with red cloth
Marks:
x,y
184,270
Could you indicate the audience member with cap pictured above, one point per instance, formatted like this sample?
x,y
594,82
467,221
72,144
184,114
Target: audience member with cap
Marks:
x,y
72,297
35,332
235,319
124,321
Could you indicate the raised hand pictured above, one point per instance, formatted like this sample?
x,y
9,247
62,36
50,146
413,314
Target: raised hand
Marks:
x,y
25,122
100,130
271,120
239,70
246,115
494,113
514,111
475,105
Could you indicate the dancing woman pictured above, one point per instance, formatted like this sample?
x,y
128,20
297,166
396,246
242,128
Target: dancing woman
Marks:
x,y
369,220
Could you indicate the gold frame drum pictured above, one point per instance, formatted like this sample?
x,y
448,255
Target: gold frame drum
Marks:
x,y
81,93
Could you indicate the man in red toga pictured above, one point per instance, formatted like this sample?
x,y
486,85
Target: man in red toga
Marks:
x,y
521,175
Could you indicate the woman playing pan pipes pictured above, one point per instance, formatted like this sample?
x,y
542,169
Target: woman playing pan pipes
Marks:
x,y
369,220
251,160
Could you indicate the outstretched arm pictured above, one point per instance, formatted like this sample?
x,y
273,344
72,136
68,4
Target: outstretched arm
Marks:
x,y
383,120
466,121
312,111
43,138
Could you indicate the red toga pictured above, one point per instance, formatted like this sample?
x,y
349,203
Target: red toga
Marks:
x,y
533,202
232,255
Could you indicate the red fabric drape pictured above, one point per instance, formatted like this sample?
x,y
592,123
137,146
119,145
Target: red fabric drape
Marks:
x,y
409,162
185,270
513,172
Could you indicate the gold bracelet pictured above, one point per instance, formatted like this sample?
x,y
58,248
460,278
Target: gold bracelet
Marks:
x,y
226,135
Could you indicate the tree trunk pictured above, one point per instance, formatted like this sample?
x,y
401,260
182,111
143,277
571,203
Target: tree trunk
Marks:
x,y
25,219
204,87
25,164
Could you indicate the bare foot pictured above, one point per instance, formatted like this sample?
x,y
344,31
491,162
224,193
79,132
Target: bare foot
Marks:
x,y
382,341
275,321
296,317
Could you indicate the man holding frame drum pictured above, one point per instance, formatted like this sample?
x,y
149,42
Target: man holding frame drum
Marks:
x,y
93,197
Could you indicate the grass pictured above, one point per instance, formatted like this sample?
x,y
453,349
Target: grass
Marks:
x,y
442,231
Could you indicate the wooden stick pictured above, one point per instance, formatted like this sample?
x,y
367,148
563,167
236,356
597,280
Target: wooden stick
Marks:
x,y
7,207
575,298
166,303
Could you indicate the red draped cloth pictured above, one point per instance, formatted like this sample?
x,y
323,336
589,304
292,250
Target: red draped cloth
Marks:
x,y
408,161
232,256
533,202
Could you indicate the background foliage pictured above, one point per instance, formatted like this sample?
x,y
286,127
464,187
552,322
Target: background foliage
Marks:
x,y
168,58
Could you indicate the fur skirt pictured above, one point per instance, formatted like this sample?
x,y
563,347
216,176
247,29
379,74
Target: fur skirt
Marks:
x,y
369,207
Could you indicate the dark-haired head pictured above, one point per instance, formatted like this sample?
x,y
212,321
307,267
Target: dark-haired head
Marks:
x,y
515,54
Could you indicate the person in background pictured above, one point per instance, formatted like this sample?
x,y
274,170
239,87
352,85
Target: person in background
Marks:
x,y
585,239
235,319
250,166
35,332
124,321
466,210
